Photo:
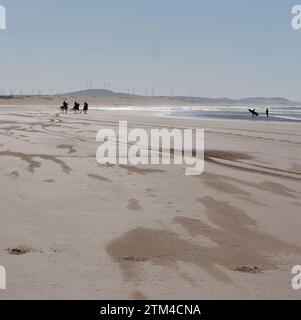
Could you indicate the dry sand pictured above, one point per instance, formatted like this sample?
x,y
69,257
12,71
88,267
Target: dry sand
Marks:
x,y
73,229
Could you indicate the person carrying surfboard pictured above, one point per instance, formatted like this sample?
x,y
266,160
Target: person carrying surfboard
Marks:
x,y
254,113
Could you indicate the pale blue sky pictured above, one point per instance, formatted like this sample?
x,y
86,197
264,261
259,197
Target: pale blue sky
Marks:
x,y
234,48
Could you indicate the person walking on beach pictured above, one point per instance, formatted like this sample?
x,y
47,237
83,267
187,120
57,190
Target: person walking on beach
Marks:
x,y
253,112
267,112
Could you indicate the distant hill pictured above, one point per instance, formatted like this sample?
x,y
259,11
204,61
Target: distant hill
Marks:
x,y
98,93
102,93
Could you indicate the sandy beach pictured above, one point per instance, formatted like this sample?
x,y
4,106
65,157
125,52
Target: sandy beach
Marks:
x,y
74,229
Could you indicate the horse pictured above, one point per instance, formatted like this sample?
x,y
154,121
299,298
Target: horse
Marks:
x,y
64,109
75,109
85,109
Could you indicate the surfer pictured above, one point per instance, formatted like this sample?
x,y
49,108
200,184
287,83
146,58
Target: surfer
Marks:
x,y
254,113
267,112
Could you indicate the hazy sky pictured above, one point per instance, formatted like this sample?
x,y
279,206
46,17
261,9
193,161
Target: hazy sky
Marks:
x,y
234,48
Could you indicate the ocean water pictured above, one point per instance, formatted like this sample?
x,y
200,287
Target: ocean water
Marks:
x,y
277,113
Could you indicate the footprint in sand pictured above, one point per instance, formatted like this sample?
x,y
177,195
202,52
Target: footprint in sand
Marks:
x,y
134,205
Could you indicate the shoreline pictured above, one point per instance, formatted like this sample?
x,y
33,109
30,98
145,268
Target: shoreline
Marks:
x,y
176,114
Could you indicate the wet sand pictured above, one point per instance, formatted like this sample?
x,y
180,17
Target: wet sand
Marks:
x,y
74,229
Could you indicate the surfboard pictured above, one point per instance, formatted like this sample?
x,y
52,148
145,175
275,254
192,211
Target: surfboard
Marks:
x,y
254,112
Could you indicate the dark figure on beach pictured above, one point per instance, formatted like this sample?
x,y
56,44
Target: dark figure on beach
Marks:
x,y
267,112
254,113
75,108
86,107
64,107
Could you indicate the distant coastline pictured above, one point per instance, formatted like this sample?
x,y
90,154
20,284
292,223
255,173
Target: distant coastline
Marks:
x,y
102,96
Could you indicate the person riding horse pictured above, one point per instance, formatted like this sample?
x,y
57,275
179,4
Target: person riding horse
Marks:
x,y
86,107
64,107
76,107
